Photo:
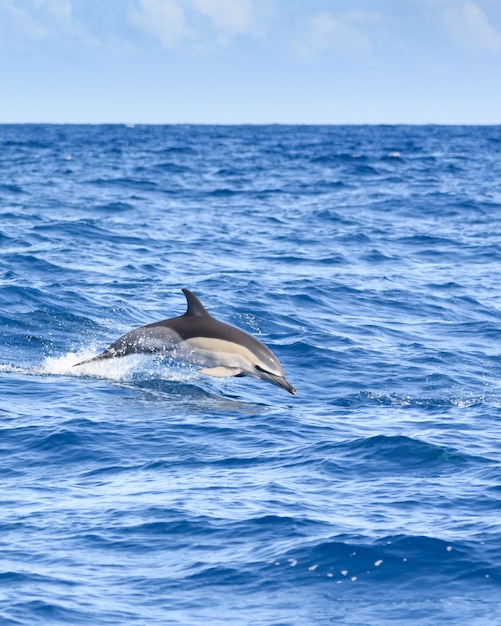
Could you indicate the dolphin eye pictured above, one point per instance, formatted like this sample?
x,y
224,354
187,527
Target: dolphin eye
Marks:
x,y
261,369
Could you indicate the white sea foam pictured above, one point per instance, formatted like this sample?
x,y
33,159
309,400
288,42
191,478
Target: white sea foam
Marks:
x,y
122,369
67,365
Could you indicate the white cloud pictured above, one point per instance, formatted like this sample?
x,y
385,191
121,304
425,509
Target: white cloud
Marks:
x,y
230,17
342,32
60,9
164,19
469,26
34,20
172,21
18,19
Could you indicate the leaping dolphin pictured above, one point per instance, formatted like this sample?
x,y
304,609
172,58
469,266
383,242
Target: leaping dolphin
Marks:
x,y
196,336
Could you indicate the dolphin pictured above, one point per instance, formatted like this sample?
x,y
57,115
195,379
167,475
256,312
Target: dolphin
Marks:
x,y
220,349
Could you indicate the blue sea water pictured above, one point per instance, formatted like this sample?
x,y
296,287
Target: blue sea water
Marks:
x,y
140,492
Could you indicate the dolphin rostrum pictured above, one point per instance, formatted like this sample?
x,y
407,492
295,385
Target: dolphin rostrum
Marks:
x,y
220,349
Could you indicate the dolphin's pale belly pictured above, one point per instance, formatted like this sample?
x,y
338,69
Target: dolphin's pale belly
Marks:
x,y
213,353
216,357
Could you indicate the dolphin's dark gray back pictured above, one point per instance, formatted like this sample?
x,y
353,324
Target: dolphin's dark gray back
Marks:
x,y
198,322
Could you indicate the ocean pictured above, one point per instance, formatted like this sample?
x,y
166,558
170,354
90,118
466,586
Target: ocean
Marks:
x,y
139,491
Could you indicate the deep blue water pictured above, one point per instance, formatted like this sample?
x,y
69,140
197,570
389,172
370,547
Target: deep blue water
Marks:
x,y
142,492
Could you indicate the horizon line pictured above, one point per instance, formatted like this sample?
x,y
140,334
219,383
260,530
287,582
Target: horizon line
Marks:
x,y
134,124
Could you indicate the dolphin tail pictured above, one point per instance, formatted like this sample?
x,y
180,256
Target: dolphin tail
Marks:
x,y
99,357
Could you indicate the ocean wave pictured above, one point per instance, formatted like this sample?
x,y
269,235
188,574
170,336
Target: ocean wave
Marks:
x,y
366,258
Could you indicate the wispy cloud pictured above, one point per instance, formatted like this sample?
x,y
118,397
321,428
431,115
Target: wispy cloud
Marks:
x,y
469,26
344,32
172,21
164,19
27,22
29,19
229,17
199,24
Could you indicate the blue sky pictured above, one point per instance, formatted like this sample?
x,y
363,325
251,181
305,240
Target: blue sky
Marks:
x,y
251,61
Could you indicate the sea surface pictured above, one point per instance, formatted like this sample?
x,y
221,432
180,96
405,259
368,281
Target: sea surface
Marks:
x,y
138,491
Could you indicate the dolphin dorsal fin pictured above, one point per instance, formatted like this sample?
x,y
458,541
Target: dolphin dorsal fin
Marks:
x,y
195,307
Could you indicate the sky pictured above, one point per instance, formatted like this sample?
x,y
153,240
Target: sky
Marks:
x,y
251,61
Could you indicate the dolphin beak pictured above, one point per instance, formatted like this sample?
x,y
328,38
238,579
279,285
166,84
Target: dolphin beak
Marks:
x,y
281,382
275,379
288,386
